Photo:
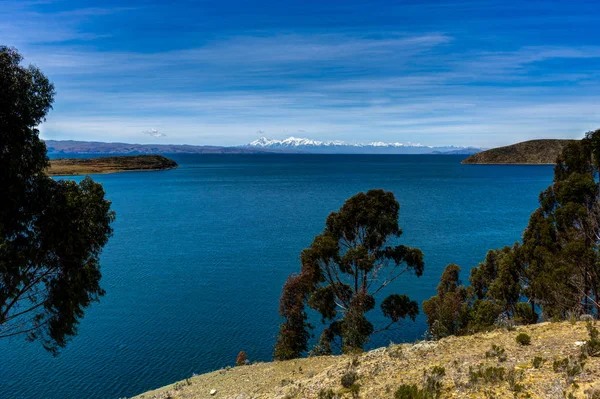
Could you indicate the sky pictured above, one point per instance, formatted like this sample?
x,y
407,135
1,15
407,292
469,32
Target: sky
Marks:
x,y
472,73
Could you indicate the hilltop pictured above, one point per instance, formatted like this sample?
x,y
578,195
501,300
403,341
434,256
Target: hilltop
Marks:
x,y
528,152
472,370
87,166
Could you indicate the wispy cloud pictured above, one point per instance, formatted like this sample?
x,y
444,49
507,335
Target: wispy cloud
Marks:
x,y
154,133
436,83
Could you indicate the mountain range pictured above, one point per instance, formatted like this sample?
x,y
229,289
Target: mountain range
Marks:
x,y
341,147
262,145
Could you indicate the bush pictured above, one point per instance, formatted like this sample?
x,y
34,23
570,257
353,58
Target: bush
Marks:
x,y
489,374
326,394
242,359
496,351
349,378
571,366
514,378
409,392
592,346
433,381
537,362
523,339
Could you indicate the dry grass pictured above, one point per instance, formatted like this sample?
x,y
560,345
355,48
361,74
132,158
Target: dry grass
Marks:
x,y
528,152
381,371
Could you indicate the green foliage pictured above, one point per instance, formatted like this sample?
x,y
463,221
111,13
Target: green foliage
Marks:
x,y
560,242
346,265
349,378
432,381
570,366
523,339
447,312
497,352
432,386
410,392
486,374
525,314
537,362
514,379
555,270
327,394
592,346
51,232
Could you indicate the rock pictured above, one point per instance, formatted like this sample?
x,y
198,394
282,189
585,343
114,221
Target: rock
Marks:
x,y
213,391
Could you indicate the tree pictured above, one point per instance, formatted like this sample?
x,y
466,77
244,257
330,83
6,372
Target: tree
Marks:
x,y
342,272
51,232
496,286
561,240
447,312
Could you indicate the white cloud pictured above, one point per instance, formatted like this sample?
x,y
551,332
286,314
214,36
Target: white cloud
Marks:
x,y
154,133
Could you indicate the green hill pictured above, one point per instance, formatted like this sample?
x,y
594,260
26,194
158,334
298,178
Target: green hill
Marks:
x,y
528,152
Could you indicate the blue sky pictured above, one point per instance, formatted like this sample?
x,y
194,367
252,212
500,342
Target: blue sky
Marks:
x,y
481,73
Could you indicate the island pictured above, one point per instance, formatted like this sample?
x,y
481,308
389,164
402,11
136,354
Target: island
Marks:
x,y
534,152
88,166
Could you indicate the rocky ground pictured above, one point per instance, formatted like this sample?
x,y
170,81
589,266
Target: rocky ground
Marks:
x,y
472,369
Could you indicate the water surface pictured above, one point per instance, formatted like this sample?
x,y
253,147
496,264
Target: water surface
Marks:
x,y
194,270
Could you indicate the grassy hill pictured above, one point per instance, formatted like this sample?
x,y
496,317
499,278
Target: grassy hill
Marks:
x,y
472,370
527,152
87,166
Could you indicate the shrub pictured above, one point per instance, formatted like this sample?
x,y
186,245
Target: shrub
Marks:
x,y
523,339
497,352
349,378
571,366
592,346
326,394
354,389
537,362
409,392
433,381
489,374
242,359
514,378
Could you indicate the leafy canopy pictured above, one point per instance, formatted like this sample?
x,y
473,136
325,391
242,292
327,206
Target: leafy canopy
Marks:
x,y
345,267
51,232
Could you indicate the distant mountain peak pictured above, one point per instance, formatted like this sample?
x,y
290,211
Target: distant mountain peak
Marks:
x,y
299,142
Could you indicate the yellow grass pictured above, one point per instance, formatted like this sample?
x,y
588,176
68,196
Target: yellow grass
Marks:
x,y
381,371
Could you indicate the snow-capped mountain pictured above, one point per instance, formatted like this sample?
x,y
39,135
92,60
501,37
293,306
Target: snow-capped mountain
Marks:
x,y
378,147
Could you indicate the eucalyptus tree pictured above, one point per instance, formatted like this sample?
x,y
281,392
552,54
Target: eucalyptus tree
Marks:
x,y
562,238
342,273
51,232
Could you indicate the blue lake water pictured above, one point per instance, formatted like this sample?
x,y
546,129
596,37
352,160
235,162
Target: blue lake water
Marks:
x,y
199,254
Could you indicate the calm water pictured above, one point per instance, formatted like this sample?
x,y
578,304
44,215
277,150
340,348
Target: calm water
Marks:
x,y
194,270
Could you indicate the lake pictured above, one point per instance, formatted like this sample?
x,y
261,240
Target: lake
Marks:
x,y
199,254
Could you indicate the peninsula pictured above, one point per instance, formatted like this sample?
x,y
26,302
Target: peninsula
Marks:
x,y
527,152
88,166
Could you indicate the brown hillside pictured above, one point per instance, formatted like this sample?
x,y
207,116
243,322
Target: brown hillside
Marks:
x,y
380,372
528,152
87,166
